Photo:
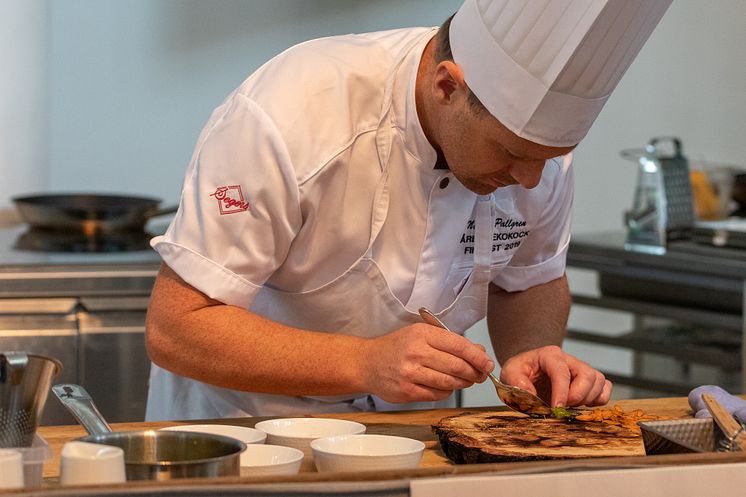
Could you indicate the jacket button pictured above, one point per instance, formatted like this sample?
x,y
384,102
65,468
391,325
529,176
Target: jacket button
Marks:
x,y
444,183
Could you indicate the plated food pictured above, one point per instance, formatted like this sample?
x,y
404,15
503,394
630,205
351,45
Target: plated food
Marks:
x,y
481,437
616,416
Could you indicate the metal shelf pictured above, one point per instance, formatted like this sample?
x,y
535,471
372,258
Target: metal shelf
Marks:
x,y
691,287
642,342
712,319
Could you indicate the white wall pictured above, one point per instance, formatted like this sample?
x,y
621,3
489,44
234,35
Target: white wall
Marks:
x,y
134,81
689,81
24,79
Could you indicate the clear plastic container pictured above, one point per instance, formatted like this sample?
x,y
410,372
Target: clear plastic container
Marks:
x,y
33,461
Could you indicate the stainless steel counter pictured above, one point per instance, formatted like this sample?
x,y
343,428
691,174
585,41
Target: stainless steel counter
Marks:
x,y
715,267
697,286
87,310
27,273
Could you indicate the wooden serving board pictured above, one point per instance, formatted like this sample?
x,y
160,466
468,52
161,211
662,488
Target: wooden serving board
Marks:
x,y
485,437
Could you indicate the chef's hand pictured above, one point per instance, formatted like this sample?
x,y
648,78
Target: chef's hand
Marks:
x,y
420,363
571,381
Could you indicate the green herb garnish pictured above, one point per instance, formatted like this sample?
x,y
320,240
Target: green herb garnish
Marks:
x,y
563,413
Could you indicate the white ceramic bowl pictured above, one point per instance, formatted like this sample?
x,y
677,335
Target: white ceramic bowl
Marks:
x,y
366,453
270,460
300,432
243,433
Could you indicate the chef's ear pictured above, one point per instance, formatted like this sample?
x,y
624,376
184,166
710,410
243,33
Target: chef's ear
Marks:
x,y
448,81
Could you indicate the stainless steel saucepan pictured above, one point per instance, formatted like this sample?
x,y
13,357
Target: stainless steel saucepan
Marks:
x,y
152,454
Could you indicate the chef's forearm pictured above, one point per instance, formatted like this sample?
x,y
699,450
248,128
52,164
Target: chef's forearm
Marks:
x,y
192,335
521,321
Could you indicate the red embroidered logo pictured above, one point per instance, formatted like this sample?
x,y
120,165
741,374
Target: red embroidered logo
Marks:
x,y
230,199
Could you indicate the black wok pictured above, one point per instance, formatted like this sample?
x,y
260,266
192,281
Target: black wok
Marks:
x,y
89,213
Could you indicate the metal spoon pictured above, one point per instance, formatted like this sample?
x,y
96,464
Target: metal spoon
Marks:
x,y
515,398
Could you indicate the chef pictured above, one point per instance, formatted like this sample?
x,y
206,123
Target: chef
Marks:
x,y
352,180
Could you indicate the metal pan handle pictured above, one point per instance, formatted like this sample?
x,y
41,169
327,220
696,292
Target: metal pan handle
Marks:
x,y
12,366
81,406
654,146
161,211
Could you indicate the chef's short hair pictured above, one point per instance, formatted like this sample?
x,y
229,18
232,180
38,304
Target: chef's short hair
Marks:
x,y
443,52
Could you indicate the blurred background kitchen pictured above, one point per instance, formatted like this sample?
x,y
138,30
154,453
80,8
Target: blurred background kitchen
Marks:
x,y
109,96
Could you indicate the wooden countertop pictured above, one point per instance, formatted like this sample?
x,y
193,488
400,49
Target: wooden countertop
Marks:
x,y
412,424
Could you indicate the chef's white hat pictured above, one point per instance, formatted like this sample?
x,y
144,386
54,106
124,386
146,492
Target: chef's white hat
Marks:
x,y
545,68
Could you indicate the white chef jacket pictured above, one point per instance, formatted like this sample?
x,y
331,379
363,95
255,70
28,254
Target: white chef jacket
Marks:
x,y
279,194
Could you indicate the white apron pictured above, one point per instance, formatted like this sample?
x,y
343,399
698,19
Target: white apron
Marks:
x,y
358,302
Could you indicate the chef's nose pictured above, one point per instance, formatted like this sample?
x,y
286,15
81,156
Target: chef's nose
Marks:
x,y
527,173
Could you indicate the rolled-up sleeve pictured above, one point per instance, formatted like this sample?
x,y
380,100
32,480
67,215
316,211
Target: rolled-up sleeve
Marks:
x,y
542,256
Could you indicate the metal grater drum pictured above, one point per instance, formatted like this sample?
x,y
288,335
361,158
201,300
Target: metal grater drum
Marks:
x,y
25,380
678,436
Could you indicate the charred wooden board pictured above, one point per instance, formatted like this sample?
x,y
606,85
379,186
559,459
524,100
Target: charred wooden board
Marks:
x,y
500,437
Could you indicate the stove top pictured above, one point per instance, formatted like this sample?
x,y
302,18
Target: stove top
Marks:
x,y
20,246
53,241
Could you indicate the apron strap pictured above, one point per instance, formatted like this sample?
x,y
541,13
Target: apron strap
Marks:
x,y
384,142
484,225
483,248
